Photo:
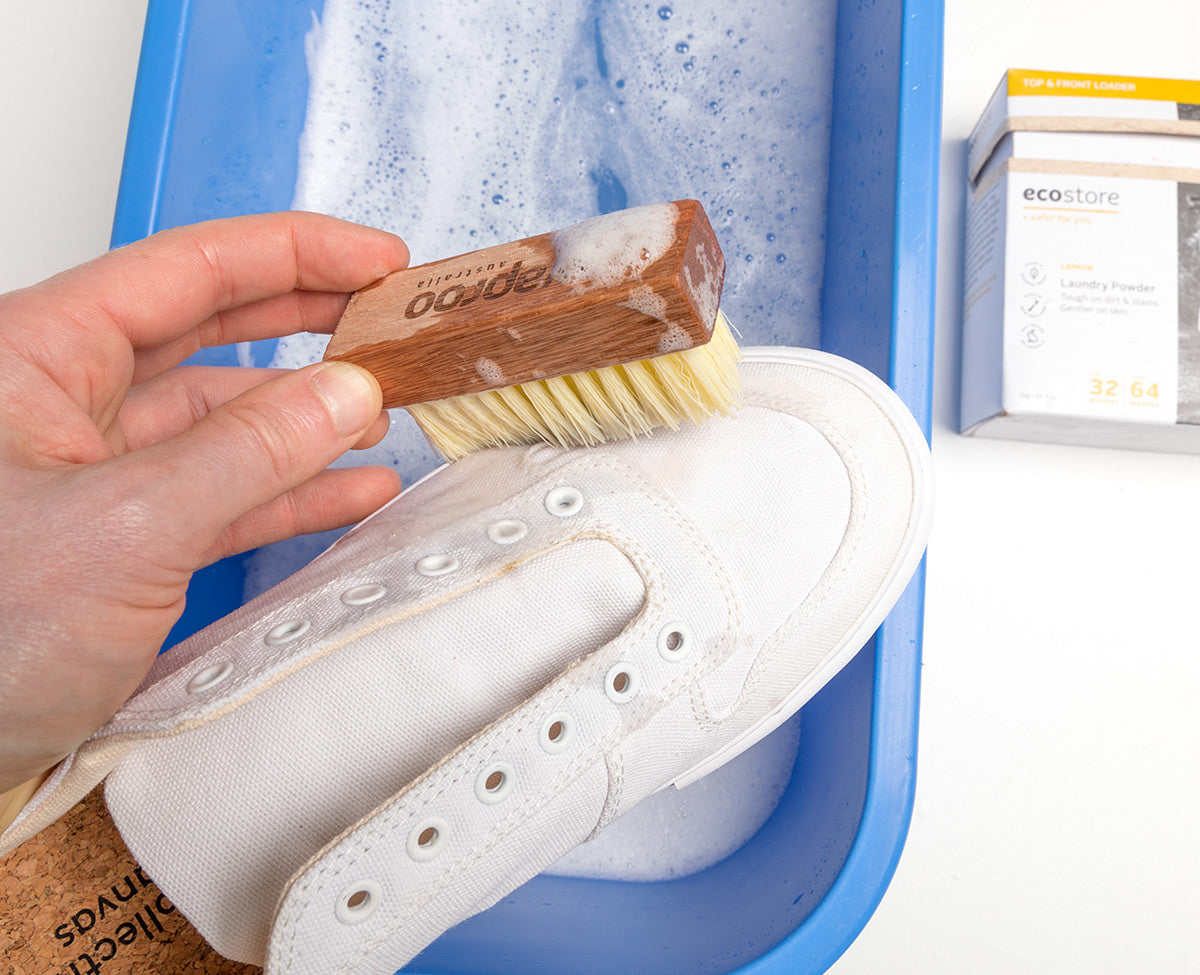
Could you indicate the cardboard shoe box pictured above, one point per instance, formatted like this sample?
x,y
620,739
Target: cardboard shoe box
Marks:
x,y
1081,313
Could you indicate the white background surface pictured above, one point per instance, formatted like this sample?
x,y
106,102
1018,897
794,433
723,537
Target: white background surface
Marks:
x,y
1058,801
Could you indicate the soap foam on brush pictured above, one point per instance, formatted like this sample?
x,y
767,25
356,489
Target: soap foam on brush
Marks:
x,y
607,252
457,137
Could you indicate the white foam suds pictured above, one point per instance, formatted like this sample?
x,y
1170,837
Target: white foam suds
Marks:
x,y
643,299
457,137
674,339
489,371
705,292
674,832
618,247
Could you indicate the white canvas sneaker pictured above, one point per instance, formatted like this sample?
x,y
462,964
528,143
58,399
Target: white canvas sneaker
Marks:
x,y
487,671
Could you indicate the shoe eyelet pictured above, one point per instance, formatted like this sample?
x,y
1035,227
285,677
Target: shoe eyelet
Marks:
x,y
209,677
361,595
621,684
495,783
507,531
557,732
358,902
674,641
437,565
286,632
427,839
565,501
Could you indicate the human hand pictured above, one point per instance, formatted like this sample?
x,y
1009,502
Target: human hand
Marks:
x,y
121,475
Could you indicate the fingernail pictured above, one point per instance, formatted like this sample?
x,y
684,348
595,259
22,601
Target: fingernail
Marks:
x,y
351,394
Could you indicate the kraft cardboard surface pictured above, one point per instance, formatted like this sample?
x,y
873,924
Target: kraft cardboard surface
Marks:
x,y
73,901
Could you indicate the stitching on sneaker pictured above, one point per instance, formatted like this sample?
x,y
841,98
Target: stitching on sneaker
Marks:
x,y
430,890
614,759
254,683
786,632
499,830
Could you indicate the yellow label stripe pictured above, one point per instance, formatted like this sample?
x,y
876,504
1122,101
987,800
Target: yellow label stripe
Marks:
x,y
1023,82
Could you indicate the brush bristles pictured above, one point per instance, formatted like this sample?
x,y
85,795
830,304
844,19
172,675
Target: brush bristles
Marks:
x,y
592,407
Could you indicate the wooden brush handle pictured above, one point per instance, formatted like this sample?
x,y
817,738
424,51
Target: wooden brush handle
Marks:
x,y
73,900
618,288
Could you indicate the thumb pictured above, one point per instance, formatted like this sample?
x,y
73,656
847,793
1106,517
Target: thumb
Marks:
x,y
261,445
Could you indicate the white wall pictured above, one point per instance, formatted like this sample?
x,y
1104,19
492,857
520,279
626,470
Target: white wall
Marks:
x,y
1057,798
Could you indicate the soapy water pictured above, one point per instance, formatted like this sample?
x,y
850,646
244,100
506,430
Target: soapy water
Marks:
x,y
460,125
677,832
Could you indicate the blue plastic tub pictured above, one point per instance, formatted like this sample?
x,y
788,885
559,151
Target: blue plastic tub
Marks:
x,y
217,114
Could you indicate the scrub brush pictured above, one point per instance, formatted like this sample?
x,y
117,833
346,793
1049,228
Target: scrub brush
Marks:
x,y
605,329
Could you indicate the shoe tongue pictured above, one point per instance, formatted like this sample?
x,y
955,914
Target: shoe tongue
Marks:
x,y
514,635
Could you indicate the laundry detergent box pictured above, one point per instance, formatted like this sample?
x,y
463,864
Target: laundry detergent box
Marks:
x,y
1082,262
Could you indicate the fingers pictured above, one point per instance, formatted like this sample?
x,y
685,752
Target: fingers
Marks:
x,y
257,447
165,407
159,289
130,315
270,318
336,497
